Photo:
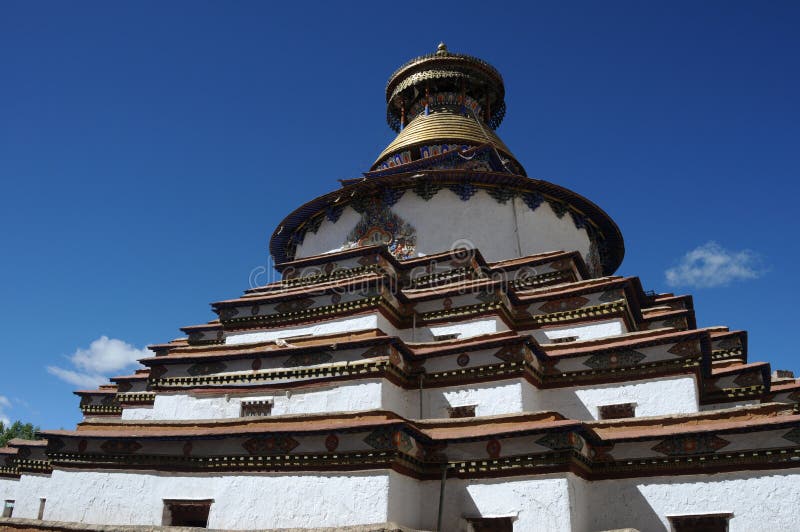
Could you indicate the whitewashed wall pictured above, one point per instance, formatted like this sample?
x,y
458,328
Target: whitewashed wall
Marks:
x,y
355,396
351,324
759,501
492,227
240,501
585,331
653,397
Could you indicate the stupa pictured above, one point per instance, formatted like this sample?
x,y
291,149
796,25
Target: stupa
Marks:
x,y
448,348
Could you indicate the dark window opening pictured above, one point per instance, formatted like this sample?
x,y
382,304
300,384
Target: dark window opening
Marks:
x,y
445,337
461,411
8,508
256,408
490,524
42,502
187,513
564,339
618,411
700,523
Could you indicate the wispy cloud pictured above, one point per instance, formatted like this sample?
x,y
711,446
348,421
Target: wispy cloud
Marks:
x,y
712,265
4,404
92,367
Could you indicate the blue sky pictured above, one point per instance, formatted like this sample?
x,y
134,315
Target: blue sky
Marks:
x,y
148,150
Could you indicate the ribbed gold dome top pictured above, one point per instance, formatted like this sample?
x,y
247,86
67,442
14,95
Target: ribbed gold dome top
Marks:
x,y
443,127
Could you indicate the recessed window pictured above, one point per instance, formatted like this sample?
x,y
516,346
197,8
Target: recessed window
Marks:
x,y
564,339
8,508
461,411
256,408
700,523
490,524
187,512
42,502
445,337
618,411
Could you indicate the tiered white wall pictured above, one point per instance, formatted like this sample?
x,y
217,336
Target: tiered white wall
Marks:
x,y
653,397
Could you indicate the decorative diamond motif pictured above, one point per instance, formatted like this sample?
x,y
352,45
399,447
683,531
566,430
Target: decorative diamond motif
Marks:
x,y
294,305
307,359
120,446
558,441
686,348
272,444
206,368
403,441
750,378
511,353
793,435
381,438
561,305
610,295
692,444
615,359
156,372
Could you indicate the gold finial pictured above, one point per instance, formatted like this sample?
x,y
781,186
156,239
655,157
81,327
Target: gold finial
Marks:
x,y
441,49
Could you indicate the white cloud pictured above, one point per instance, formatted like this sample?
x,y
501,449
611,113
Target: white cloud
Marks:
x,y
4,403
104,357
712,265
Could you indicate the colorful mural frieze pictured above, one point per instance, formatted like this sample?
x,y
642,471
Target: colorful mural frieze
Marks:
x,y
271,444
600,361
465,104
206,368
592,259
379,225
307,359
691,444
